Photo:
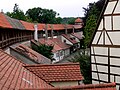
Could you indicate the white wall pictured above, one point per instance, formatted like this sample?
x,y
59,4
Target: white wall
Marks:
x,y
67,41
61,84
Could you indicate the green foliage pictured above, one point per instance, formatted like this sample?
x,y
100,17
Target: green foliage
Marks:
x,y
85,67
92,13
17,13
45,50
43,15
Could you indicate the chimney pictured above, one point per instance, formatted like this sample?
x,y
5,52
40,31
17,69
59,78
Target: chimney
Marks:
x,y
73,29
52,30
36,32
46,32
65,28
2,11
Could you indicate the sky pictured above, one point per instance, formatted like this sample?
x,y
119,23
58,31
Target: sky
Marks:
x,y
66,8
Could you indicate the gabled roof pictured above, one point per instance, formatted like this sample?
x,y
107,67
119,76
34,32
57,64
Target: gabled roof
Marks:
x,y
33,55
16,24
27,25
105,86
14,76
78,20
58,44
57,72
4,22
78,35
67,36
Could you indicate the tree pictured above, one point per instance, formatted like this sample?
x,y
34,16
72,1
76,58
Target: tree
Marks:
x,y
43,15
45,50
17,13
92,13
85,67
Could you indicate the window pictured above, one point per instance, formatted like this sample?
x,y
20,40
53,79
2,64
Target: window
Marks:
x,y
64,41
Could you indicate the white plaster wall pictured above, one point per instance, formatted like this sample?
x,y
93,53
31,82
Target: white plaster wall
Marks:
x,y
107,40
101,25
94,67
55,57
97,35
115,52
117,9
108,25
115,70
61,84
102,68
111,78
103,77
115,37
67,52
116,22
110,7
101,50
67,41
103,60
94,75
115,61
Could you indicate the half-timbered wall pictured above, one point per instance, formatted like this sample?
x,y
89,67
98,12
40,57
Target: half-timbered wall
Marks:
x,y
105,48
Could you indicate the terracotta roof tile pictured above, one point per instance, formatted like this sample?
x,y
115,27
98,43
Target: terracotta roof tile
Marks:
x,y
50,42
78,35
14,76
58,26
105,86
3,21
67,36
60,43
57,72
56,42
27,25
33,55
78,20
15,23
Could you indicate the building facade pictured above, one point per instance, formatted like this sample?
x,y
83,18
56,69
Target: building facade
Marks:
x,y
105,46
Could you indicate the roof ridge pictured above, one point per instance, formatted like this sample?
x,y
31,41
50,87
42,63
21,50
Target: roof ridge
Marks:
x,y
63,64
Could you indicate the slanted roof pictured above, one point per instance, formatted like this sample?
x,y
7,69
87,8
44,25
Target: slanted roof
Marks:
x,y
104,86
14,76
16,24
78,20
57,72
27,25
33,55
78,35
58,45
4,22
58,26
67,36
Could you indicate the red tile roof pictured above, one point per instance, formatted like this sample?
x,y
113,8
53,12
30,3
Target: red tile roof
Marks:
x,y
78,20
27,25
4,22
67,36
58,26
104,86
58,44
14,76
57,72
36,57
78,35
